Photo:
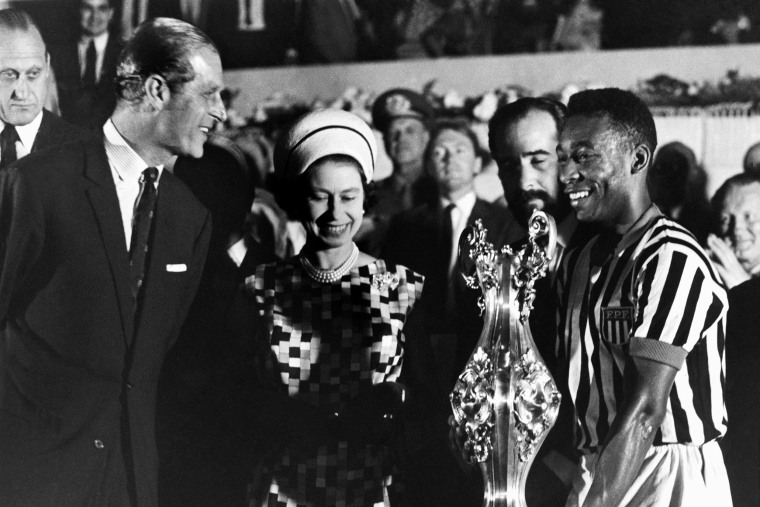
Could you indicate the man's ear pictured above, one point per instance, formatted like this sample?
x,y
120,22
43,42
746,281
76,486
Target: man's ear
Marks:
x,y
641,157
157,91
478,165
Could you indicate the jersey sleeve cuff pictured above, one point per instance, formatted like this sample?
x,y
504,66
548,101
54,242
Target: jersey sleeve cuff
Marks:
x,y
658,351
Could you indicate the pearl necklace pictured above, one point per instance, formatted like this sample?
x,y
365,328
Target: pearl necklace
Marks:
x,y
330,275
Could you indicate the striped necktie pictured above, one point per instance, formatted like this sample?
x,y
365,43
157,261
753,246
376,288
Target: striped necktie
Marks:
x,y
141,222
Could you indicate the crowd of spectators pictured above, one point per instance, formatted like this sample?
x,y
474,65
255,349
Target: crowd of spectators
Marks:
x,y
370,30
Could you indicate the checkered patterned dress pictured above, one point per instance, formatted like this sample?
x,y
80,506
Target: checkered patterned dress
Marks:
x,y
331,341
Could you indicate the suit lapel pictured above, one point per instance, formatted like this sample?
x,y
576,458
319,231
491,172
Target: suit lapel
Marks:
x,y
43,133
478,212
105,204
53,131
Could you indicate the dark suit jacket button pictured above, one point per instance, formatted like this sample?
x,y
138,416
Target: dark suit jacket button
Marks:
x,y
99,444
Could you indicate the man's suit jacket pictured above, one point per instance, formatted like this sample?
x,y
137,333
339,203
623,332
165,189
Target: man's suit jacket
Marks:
x,y
79,105
414,239
55,131
79,365
741,445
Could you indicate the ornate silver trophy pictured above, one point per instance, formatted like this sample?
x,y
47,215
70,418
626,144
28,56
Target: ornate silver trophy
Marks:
x,y
505,400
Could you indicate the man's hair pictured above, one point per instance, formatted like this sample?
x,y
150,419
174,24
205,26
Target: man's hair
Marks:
x,y
16,20
513,112
456,125
735,181
627,113
159,46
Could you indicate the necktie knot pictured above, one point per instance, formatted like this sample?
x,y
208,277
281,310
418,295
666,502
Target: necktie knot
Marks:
x,y
8,138
10,133
150,175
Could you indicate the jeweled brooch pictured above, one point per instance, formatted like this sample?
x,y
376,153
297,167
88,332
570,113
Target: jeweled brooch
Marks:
x,y
383,281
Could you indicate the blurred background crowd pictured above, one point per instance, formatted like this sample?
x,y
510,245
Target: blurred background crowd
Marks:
x,y
370,30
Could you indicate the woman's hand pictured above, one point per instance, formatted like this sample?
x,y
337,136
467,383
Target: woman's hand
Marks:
x,y
728,266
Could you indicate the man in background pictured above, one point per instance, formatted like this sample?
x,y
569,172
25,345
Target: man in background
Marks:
x,y
404,117
85,68
24,72
101,251
735,248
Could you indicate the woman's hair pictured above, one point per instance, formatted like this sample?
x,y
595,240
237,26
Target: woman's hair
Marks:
x,y
291,196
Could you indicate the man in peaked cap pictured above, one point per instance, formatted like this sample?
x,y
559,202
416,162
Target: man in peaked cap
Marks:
x,y
403,116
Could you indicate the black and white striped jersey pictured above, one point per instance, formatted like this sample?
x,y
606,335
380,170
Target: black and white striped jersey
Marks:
x,y
651,293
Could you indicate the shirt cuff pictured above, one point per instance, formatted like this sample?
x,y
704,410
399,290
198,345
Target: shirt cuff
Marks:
x,y
655,350
237,251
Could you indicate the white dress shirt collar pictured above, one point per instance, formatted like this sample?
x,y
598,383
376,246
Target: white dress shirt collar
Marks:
x,y
464,203
124,160
101,41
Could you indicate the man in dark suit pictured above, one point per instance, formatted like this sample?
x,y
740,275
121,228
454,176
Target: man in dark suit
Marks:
x,y
25,126
425,239
741,445
85,67
101,251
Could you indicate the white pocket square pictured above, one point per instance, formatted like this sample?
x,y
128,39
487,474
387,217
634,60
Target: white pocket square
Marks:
x,y
176,268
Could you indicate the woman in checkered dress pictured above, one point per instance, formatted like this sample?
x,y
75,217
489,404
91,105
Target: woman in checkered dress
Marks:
x,y
330,335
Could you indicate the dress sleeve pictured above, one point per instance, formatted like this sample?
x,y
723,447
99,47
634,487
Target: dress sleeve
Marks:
x,y
678,299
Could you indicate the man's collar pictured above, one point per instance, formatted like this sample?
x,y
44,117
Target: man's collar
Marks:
x,y
465,202
125,160
101,41
646,218
28,132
